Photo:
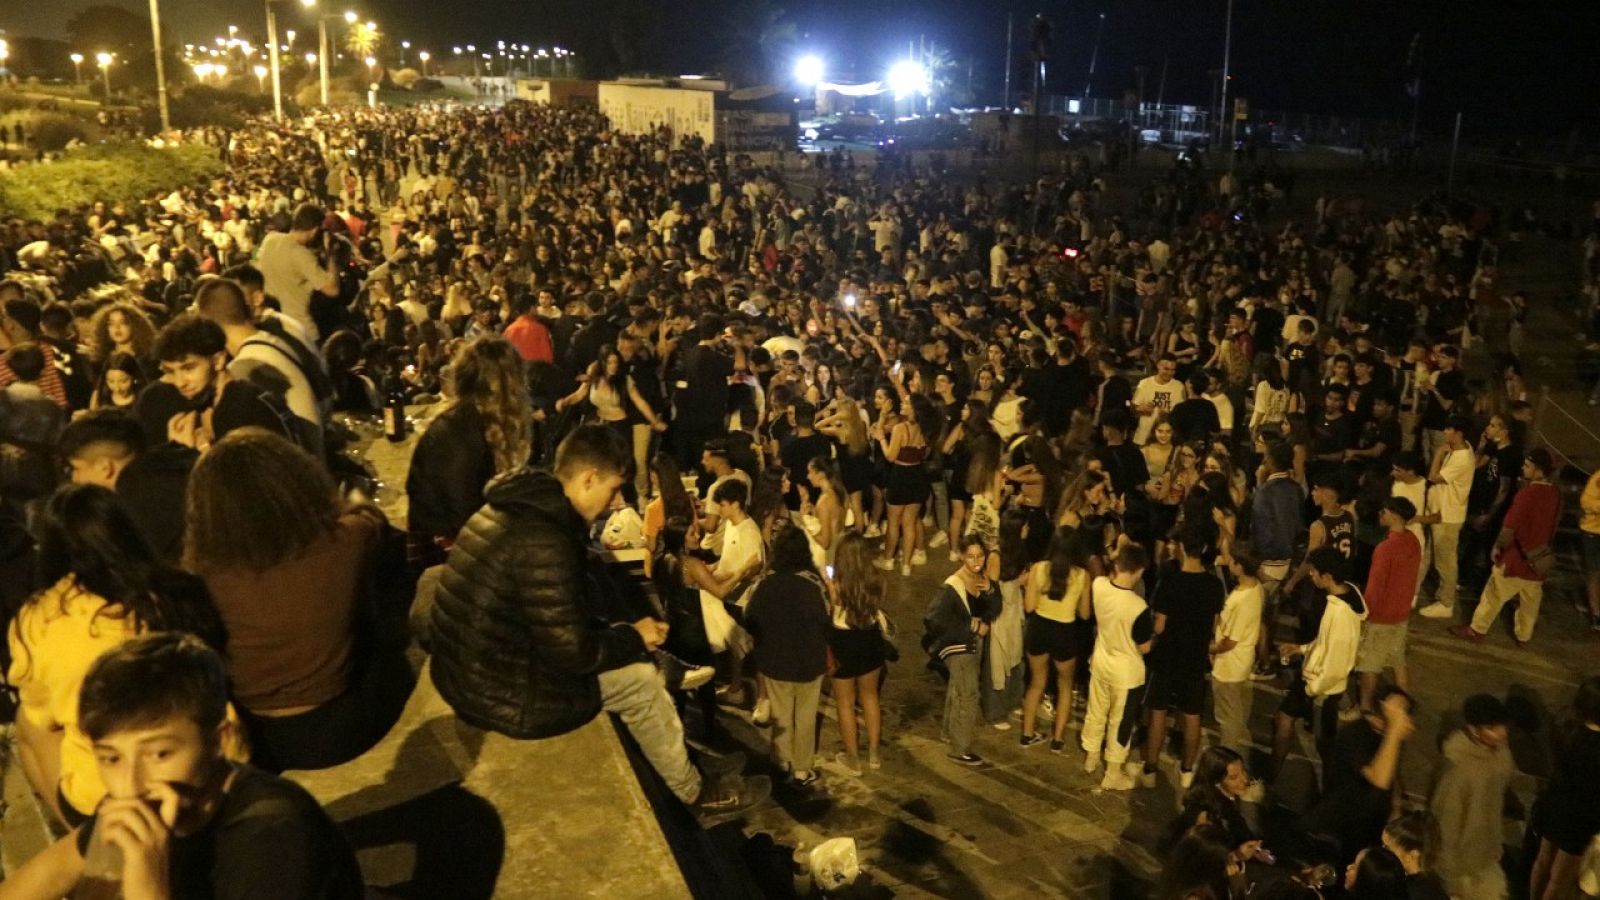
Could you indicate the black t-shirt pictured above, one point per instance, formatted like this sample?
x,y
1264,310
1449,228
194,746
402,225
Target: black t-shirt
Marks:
x,y
1380,431
796,452
1126,466
1194,419
1425,886
1351,809
1331,435
1503,463
1058,390
1191,602
1451,386
268,839
704,401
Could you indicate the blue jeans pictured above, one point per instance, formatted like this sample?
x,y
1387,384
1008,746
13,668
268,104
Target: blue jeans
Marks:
x,y
637,694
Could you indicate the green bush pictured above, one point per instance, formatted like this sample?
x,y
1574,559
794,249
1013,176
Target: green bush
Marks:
x,y
51,130
109,172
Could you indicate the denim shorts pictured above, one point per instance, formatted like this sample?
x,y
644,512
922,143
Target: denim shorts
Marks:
x,y
1591,553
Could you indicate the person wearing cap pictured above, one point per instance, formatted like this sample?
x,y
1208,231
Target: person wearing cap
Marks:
x,y
1522,553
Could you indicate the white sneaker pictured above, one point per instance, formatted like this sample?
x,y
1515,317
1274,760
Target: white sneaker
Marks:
x,y
939,539
763,712
884,563
1002,725
697,677
1437,610
873,531
1148,778
1116,780
1091,760
905,569
919,557
1185,778
955,556
928,522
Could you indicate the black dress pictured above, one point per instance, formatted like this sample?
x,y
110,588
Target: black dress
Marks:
x,y
856,651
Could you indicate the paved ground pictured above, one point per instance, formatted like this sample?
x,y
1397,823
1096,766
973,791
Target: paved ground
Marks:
x,y
1032,823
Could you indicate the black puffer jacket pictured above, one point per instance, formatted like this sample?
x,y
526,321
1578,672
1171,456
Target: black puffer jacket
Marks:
x,y
514,648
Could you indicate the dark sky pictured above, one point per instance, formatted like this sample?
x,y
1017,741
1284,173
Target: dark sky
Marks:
x,y
1504,63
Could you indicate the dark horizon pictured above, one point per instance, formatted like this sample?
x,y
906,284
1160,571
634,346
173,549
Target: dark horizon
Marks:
x,y
1505,67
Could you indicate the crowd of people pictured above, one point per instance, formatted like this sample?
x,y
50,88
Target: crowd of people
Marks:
x,y
1171,448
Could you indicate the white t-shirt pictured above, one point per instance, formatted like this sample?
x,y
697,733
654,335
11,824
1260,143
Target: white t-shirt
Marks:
x,y
1163,397
741,545
1224,409
292,274
266,349
1241,620
1449,499
1418,495
1116,659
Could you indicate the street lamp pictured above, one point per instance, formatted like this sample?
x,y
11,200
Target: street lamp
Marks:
x,y
272,60
404,46
423,56
77,67
349,17
104,59
808,70
261,78
5,52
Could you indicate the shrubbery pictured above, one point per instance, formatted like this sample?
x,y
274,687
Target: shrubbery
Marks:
x,y
109,172
50,130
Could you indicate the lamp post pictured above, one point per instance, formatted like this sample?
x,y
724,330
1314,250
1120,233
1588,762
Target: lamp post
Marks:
x,y
404,46
104,59
77,67
422,57
5,51
161,67
261,78
272,59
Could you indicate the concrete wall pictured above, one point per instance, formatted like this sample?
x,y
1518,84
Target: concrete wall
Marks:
x,y
637,109
557,92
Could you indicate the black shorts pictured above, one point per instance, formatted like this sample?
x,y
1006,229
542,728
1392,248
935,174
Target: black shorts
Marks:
x,y
906,485
1181,692
1297,704
1047,637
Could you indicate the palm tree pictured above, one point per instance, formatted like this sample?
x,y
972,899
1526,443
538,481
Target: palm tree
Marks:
x,y
363,39
940,64
757,39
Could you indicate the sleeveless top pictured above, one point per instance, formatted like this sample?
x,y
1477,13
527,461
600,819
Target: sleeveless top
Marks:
x,y
1340,533
1065,607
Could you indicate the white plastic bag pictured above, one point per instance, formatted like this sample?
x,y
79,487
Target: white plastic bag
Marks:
x,y
834,864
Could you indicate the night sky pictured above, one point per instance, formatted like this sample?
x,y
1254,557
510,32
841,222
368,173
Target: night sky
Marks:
x,y
1506,65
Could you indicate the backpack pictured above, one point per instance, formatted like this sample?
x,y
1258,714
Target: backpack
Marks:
x,y
304,358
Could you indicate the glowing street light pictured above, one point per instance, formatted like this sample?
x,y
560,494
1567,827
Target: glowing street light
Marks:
x,y
311,59
77,67
290,36
808,70
350,17
5,52
104,59
907,77
423,56
261,78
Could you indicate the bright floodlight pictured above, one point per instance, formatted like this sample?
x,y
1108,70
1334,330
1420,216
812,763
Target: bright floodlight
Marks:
x,y
808,70
104,59
76,58
350,16
907,77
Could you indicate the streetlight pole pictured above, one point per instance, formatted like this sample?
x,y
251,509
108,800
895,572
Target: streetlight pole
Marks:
x,y
1094,55
104,59
77,68
422,57
1227,52
272,57
161,68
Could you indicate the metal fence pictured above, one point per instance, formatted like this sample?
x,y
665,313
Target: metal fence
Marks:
x,y
1278,125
